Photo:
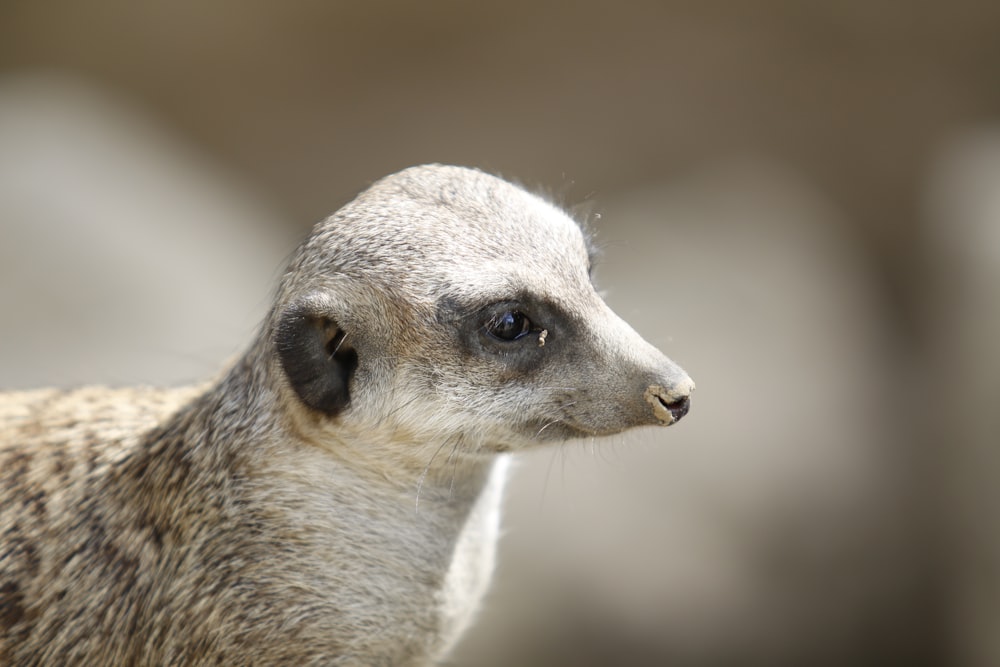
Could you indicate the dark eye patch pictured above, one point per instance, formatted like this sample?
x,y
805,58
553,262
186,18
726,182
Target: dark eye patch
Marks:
x,y
503,326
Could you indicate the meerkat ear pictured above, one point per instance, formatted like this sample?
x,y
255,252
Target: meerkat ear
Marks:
x,y
317,357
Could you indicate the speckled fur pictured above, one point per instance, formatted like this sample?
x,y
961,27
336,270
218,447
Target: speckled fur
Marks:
x,y
233,524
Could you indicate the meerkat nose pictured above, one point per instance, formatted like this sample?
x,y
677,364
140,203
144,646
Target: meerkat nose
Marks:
x,y
678,409
670,403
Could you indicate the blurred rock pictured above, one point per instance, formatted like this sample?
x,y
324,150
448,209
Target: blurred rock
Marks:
x,y
962,330
126,256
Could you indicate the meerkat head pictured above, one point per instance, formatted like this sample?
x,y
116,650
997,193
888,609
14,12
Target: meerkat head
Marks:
x,y
447,304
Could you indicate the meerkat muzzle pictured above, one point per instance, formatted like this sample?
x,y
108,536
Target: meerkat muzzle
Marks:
x,y
669,405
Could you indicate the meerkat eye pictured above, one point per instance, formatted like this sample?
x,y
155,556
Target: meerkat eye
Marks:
x,y
508,326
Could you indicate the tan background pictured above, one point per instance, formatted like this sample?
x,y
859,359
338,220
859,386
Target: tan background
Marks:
x,y
798,201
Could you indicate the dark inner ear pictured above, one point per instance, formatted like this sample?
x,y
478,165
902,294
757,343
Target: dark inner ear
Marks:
x,y
318,358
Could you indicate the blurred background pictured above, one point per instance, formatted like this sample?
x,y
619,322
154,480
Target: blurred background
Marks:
x,y
798,201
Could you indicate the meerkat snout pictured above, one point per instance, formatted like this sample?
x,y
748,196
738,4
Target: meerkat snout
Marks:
x,y
335,497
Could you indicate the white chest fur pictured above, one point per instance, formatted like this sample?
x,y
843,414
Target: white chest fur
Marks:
x,y
363,545
471,568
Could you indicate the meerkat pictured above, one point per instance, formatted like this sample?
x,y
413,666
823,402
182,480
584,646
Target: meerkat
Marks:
x,y
334,498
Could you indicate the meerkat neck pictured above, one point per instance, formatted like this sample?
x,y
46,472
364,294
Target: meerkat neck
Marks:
x,y
425,474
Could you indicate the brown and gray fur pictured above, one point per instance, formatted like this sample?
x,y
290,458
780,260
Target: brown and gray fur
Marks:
x,y
334,498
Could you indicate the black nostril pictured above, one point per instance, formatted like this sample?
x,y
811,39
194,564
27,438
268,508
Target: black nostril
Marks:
x,y
677,409
669,405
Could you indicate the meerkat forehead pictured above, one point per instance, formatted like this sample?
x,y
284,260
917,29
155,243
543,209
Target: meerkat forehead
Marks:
x,y
452,228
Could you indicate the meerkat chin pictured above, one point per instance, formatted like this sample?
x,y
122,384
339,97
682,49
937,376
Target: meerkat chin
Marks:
x,y
334,498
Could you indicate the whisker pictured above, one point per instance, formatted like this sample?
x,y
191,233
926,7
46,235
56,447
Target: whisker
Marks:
x,y
562,471
548,424
557,420
339,344
454,466
423,475
548,471
403,406
602,453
